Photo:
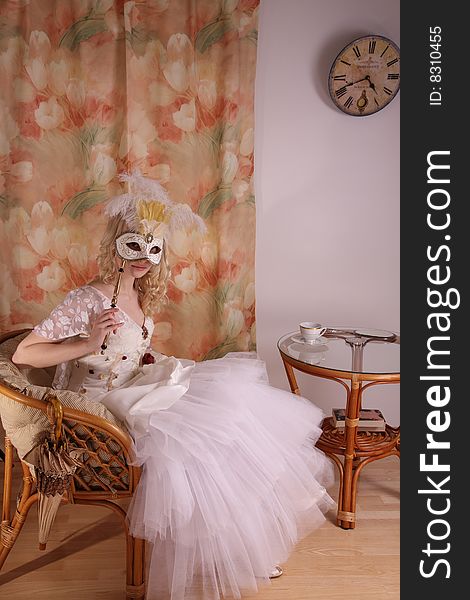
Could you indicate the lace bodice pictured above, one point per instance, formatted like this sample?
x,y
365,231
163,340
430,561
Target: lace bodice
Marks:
x,y
96,373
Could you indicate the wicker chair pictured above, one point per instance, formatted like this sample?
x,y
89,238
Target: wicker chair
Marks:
x,y
106,476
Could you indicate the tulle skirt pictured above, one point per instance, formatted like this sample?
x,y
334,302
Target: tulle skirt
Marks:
x,y
231,481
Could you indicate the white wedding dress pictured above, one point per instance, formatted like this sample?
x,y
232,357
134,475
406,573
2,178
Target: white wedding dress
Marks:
x,y
231,476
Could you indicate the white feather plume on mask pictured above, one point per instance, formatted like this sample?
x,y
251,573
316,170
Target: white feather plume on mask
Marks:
x,y
178,215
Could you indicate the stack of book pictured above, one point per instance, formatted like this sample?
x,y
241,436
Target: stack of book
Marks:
x,y
370,419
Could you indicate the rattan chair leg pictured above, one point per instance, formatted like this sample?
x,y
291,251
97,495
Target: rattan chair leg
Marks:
x,y
11,531
135,553
11,527
135,589
7,475
28,482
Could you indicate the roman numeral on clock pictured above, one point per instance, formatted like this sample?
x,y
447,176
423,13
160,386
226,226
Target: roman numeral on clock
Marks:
x,y
348,102
387,91
393,76
392,62
385,50
372,46
345,62
357,52
341,91
339,77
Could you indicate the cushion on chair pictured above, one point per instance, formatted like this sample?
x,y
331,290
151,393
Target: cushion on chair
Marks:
x,y
24,425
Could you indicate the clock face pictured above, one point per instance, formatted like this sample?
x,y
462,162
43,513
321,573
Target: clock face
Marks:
x,y
365,76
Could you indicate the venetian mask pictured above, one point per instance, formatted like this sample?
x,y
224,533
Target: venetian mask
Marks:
x,y
135,246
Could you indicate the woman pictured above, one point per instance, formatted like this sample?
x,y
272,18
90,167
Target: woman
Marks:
x,y
231,478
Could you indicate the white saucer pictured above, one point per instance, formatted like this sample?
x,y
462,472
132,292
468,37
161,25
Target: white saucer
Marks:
x,y
300,340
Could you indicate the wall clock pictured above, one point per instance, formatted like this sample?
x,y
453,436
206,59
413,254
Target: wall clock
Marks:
x,y
365,76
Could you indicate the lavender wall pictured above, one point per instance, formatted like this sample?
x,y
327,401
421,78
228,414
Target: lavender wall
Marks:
x,y
327,187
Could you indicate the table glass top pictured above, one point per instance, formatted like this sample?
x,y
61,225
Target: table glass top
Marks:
x,y
355,350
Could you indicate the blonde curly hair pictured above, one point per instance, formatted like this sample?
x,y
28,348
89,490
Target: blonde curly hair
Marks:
x,y
152,287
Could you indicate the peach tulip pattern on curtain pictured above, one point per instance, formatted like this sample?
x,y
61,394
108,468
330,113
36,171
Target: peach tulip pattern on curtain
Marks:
x,y
90,89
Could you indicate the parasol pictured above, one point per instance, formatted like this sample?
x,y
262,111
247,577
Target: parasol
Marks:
x,y
54,465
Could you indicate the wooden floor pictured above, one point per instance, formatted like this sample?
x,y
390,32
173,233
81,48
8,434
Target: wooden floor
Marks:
x,y
85,555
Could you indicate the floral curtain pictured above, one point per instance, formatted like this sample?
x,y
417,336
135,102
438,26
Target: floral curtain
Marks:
x,y
92,88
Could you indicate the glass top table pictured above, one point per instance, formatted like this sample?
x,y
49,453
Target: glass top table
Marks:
x,y
360,350
357,358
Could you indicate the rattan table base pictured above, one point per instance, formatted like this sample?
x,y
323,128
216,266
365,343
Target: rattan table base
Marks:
x,y
350,449
368,446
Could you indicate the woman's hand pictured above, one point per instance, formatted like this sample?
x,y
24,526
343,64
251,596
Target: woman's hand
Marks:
x,y
105,323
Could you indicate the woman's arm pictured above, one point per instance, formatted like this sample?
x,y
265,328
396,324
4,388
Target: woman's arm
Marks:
x,y
37,351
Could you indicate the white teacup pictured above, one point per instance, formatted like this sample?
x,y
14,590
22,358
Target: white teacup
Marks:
x,y
311,331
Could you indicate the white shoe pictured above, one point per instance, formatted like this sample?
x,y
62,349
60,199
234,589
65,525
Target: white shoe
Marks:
x,y
276,572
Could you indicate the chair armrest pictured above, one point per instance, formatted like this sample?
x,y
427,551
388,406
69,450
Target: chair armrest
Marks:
x,y
107,449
